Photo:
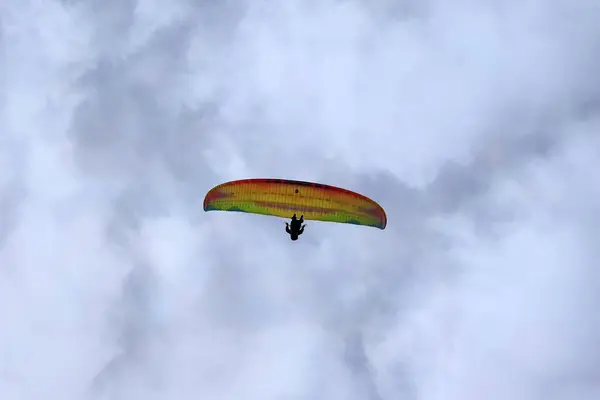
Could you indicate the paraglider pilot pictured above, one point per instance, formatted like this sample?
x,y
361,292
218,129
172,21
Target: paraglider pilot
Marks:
x,y
296,228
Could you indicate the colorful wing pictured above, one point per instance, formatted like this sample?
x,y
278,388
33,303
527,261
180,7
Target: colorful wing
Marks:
x,y
283,198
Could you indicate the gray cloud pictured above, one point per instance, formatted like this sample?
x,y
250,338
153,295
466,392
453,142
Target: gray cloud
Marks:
x,y
473,123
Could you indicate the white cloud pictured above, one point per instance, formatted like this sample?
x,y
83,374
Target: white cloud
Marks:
x,y
473,123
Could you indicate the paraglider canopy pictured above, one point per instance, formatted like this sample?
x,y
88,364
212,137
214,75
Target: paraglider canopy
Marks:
x,y
282,198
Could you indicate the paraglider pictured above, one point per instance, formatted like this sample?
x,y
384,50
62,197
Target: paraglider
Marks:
x,y
297,228
282,198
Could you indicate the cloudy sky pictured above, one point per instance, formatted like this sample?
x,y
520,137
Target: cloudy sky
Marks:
x,y
473,122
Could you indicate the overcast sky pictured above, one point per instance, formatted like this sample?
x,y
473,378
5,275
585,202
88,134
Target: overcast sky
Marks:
x,y
474,123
